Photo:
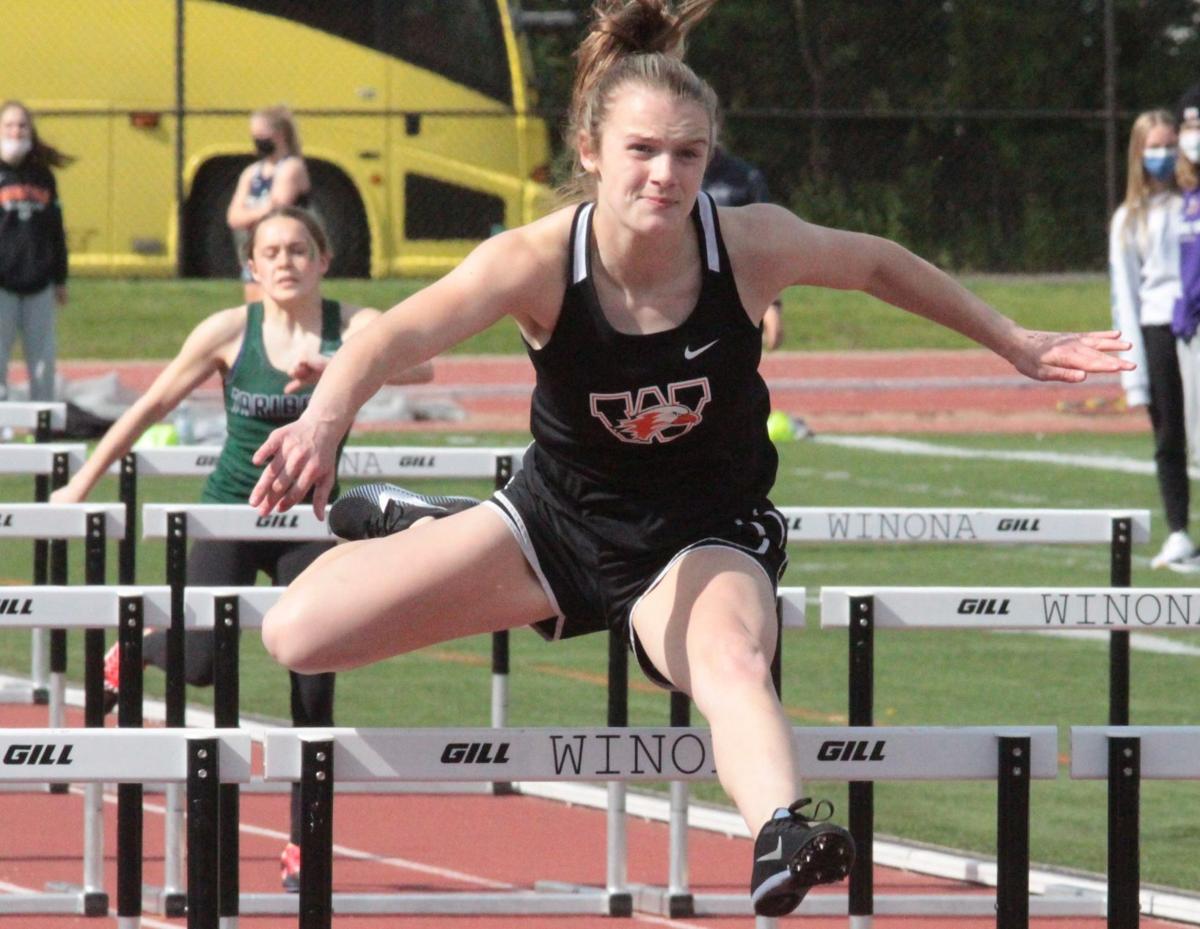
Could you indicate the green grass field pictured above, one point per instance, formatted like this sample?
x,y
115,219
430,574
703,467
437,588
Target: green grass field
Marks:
x,y
103,314
922,678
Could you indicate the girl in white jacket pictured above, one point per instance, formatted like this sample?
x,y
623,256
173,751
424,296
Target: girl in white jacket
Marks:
x,y
1144,264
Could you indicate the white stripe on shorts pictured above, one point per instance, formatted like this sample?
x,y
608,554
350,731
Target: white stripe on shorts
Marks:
x,y
516,525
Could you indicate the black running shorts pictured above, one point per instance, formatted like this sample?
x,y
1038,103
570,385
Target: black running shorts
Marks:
x,y
594,585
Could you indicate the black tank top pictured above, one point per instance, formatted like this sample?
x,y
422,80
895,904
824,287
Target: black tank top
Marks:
x,y
651,439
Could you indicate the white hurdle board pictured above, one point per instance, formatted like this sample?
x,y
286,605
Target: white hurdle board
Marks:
x,y
22,414
39,458
793,606
115,755
1097,608
94,757
1167,752
58,520
358,462
52,606
625,754
200,605
878,753
234,521
933,524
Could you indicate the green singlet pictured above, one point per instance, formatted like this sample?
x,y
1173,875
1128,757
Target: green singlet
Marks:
x,y
255,405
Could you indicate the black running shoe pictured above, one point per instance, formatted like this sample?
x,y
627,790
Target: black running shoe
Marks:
x,y
793,853
375,510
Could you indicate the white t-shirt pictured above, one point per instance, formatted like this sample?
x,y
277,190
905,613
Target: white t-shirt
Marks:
x,y
1143,261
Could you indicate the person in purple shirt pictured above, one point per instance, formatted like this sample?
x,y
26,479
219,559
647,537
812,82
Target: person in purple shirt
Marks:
x,y
1186,318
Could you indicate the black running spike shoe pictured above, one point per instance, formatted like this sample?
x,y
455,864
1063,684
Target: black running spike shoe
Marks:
x,y
793,853
375,510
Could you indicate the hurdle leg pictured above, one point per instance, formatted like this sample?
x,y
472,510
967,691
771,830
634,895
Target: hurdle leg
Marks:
x,y
620,898
95,898
862,793
500,666
173,897
226,689
1012,834
679,897
40,646
1124,797
39,665
202,831
130,822
316,836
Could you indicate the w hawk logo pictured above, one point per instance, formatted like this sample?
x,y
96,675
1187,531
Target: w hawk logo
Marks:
x,y
651,417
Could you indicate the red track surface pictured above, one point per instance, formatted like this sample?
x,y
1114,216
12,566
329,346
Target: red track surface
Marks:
x,y
909,391
414,843
397,843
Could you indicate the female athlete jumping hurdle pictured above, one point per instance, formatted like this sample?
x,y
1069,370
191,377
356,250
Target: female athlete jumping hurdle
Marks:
x,y
642,504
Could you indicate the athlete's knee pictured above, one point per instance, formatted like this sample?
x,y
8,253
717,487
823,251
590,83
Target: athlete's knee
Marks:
x,y
735,660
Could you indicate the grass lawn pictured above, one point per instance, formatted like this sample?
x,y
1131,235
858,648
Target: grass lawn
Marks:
x,y
922,678
119,319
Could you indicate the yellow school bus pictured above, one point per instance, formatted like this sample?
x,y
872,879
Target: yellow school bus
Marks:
x,y
414,117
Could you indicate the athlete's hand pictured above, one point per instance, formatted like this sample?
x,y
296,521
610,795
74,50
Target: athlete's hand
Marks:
x,y
1069,356
297,457
304,372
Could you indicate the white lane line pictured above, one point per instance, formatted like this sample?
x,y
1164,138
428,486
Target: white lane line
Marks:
x,y
895,446
402,863
145,920
355,853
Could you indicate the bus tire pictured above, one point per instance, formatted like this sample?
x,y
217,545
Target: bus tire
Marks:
x,y
207,244
335,200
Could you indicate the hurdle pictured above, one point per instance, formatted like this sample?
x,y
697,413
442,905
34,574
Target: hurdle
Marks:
x,y
1119,529
863,610
1124,756
200,760
51,466
92,609
357,462
176,523
94,523
1010,755
39,415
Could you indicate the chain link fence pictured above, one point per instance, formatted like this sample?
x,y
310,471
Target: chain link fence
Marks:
x,y
984,134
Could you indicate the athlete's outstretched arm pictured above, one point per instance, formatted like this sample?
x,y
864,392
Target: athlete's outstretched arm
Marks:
x,y
779,246
308,370
197,359
499,277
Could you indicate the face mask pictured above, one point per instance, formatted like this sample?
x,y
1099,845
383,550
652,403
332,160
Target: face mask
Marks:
x,y
264,147
1189,144
14,150
1159,163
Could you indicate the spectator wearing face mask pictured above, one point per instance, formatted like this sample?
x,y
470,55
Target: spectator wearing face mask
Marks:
x,y
278,178
33,249
1144,262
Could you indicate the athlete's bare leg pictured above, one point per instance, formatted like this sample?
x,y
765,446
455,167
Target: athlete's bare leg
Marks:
x,y
442,580
710,628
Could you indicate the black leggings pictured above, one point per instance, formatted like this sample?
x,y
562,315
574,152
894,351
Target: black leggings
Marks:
x,y
236,564
1170,429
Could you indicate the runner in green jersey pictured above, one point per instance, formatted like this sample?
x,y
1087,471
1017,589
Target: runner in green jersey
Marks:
x,y
269,355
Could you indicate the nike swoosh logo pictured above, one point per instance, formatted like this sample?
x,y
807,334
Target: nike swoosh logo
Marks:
x,y
775,855
688,354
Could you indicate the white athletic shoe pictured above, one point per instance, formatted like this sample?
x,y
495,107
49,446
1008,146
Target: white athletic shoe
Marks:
x,y
1186,566
1177,547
